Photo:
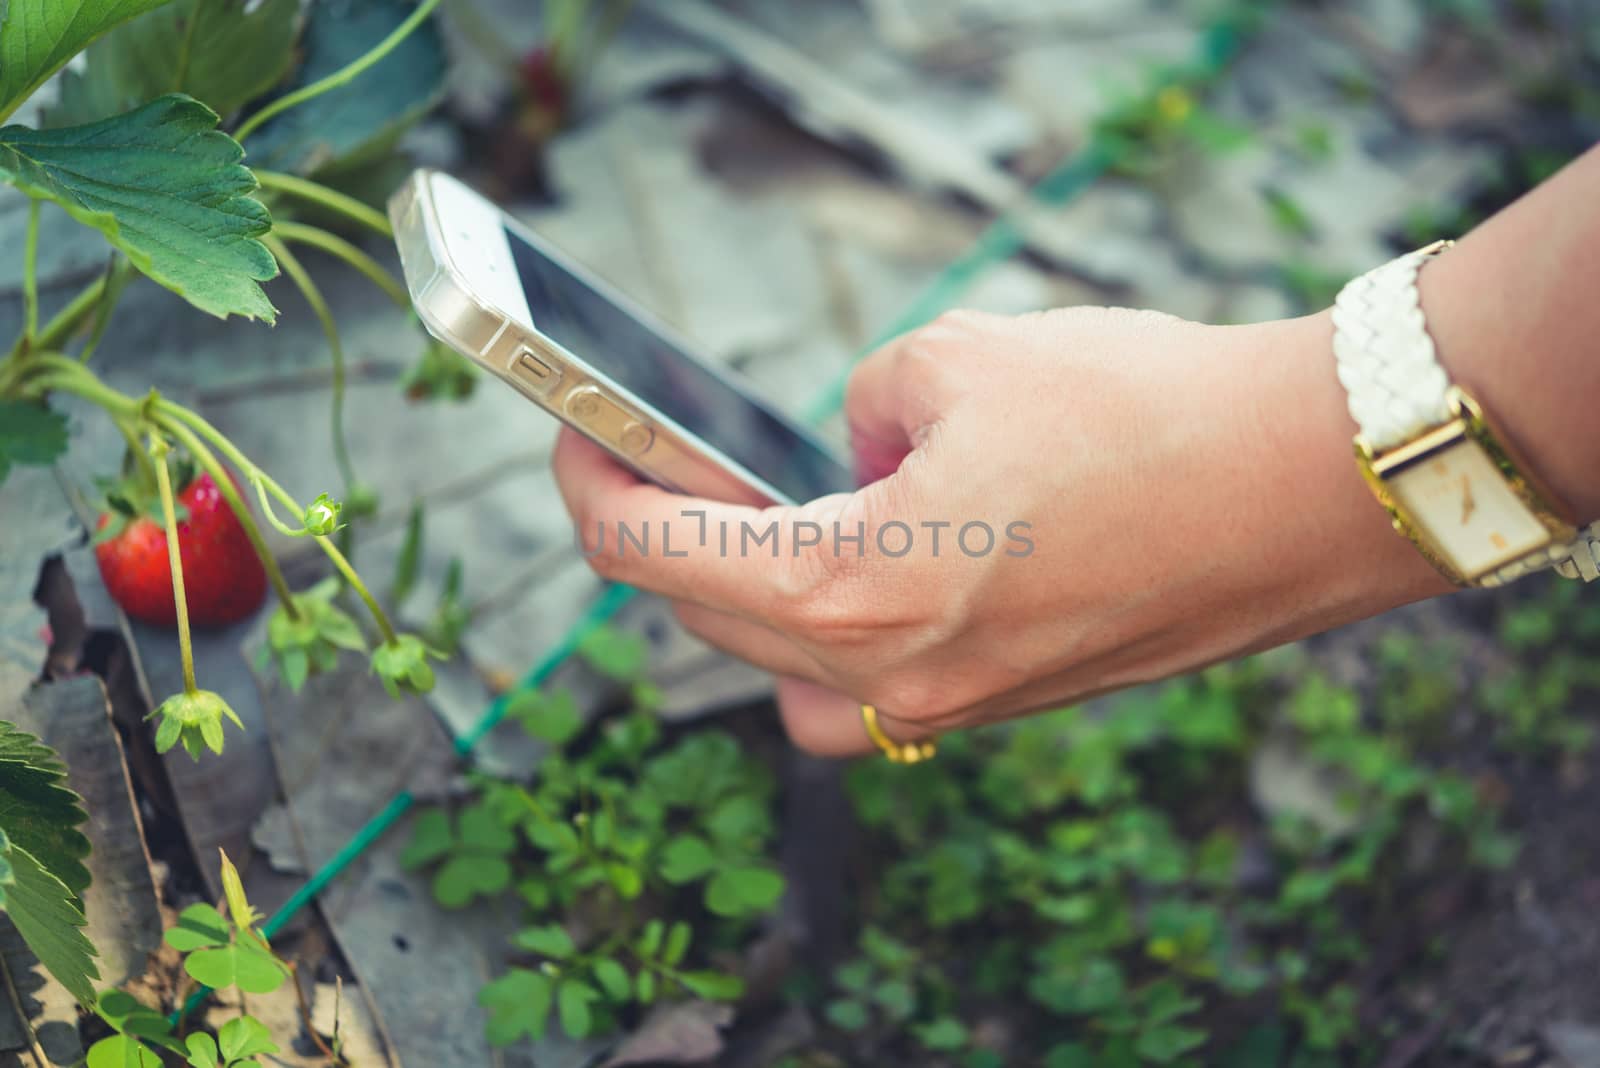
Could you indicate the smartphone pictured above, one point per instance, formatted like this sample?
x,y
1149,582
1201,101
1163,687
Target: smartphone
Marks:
x,y
488,287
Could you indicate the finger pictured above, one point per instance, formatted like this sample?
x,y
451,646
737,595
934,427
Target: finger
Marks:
x,y
685,548
821,721
894,396
826,723
749,641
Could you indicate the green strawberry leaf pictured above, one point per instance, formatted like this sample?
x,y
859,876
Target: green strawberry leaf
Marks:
x,y
38,37
221,52
30,434
164,186
39,813
348,127
48,918
518,1004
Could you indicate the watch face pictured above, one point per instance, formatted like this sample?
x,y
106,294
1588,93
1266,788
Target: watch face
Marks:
x,y
1464,506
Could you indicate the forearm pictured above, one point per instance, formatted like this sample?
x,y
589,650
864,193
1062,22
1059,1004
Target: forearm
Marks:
x,y
1514,310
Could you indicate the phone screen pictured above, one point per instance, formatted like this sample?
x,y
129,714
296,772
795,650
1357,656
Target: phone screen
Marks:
x,y
589,325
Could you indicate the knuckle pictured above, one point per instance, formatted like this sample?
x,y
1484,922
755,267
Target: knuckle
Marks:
x,y
817,603
960,321
821,587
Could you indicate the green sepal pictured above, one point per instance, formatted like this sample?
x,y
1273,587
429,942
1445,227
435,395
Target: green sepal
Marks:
x,y
195,720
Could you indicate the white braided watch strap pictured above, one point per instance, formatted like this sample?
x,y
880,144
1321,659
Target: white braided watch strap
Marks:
x,y
1397,388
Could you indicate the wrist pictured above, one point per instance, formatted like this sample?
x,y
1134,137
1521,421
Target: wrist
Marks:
x,y
1485,335
1339,551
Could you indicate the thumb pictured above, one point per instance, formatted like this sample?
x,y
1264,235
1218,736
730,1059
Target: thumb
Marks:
x,y
893,397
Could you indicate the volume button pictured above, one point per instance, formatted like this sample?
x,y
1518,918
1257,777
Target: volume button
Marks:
x,y
531,370
636,439
608,420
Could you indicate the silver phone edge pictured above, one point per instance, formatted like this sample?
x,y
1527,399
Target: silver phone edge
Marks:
x,y
494,341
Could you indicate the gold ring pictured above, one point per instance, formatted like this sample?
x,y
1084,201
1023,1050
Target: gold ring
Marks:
x,y
897,752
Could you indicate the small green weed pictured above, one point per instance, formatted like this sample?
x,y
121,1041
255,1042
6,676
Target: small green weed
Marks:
x,y
1105,873
629,858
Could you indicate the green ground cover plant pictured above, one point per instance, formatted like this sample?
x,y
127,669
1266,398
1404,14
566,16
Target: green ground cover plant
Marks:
x,y
633,860
220,951
1108,882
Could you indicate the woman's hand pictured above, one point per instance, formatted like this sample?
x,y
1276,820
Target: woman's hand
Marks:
x,y
1161,495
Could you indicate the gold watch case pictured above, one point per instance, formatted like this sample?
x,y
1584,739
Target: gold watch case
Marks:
x,y
1464,498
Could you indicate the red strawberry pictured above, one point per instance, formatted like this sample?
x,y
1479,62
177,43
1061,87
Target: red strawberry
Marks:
x,y
222,577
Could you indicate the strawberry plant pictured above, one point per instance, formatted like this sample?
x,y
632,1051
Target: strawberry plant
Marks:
x,y
621,840
146,144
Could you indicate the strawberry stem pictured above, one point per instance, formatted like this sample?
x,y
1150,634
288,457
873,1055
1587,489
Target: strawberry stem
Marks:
x,y
379,616
30,277
330,330
55,333
231,451
272,516
343,76
337,246
212,466
115,279
130,434
72,377
341,204
158,453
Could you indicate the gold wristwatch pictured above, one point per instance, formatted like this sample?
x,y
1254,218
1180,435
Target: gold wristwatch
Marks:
x,y
1451,483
